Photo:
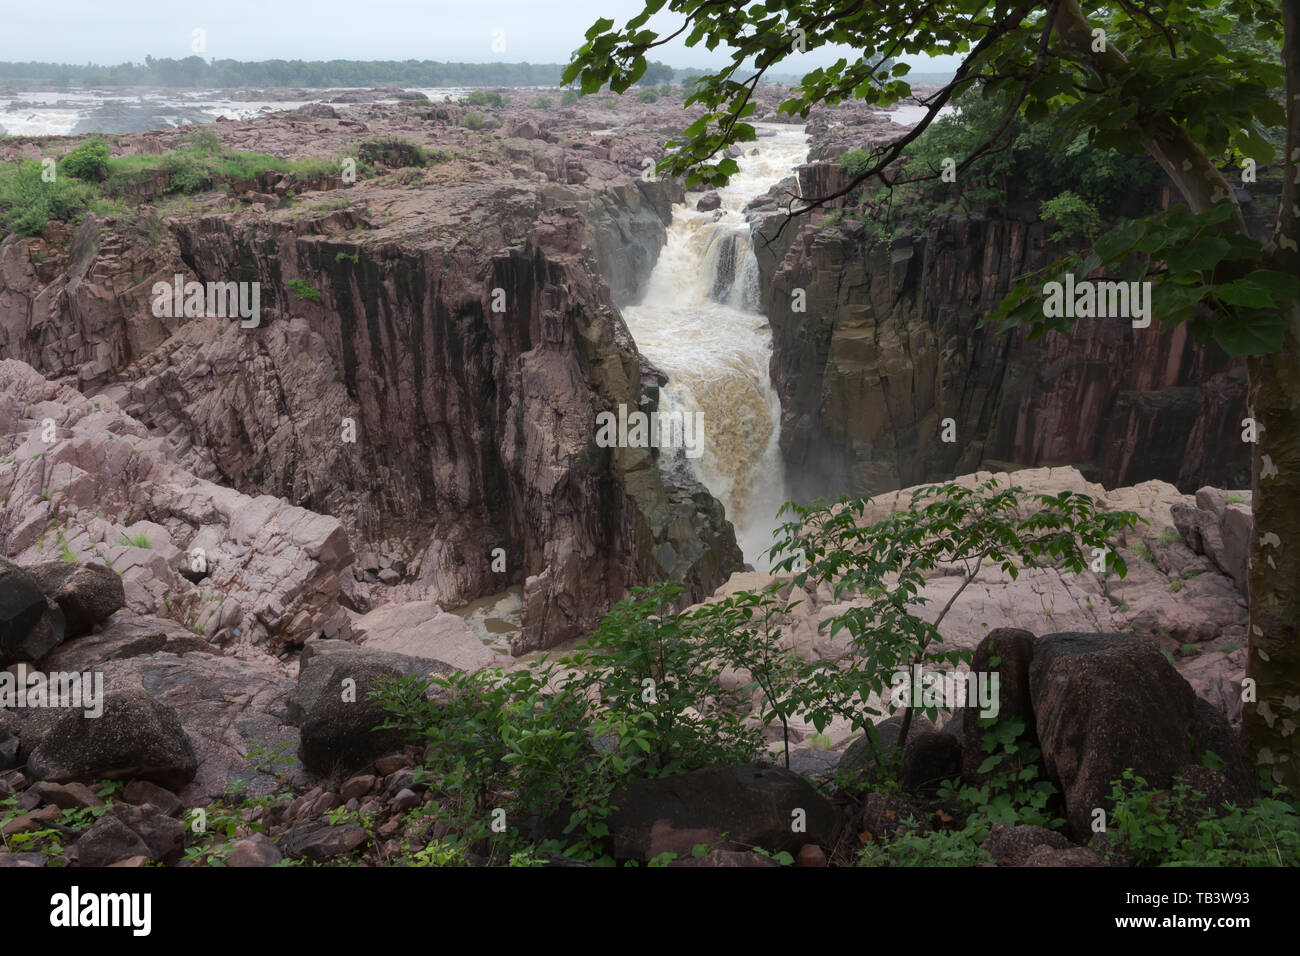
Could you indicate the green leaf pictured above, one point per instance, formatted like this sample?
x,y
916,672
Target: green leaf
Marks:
x,y
1119,240
1244,292
1200,254
1251,332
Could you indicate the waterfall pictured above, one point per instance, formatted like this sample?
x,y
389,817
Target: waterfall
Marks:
x,y
699,323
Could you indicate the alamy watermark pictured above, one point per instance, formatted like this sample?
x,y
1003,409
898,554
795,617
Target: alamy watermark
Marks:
x,y
222,300
951,689
653,430
64,689
1088,299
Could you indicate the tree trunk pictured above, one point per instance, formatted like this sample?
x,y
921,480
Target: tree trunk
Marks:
x,y
1271,725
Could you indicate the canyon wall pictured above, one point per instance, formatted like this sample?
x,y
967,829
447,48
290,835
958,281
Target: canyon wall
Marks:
x,y
461,323
889,346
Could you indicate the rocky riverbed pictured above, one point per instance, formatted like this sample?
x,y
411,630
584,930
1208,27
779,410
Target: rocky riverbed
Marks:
x,y
230,523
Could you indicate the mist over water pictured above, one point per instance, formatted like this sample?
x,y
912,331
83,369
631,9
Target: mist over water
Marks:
x,y
699,323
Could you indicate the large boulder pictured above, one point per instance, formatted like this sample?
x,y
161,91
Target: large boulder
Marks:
x,y
107,842
929,758
86,594
1219,527
709,202
423,629
124,830
134,737
231,708
753,806
1011,845
323,665
31,625
339,733
1106,703
317,841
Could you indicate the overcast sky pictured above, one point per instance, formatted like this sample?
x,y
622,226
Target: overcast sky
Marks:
x,y
534,31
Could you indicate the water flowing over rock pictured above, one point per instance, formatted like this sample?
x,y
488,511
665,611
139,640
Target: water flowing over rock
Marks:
x,y
698,322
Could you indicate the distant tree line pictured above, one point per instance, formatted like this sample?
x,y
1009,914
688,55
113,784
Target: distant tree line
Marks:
x,y
194,71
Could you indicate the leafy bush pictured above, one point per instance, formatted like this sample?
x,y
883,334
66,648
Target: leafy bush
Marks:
x,y
484,98
1033,162
1179,828
1014,793
543,103
187,175
550,743
648,96
937,848
89,161
27,203
522,742
1074,216
570,97
888,563
475,121
644,658
204,141
303,290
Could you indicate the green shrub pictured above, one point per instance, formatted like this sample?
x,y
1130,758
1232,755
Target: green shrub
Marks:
x,y
570,97
27,203
937,848
648,96
553,741
89,161
475,121
1073,216
1179,827
645,658
485,98
303,290
187,175
543,103
889,561
204,141
1014,793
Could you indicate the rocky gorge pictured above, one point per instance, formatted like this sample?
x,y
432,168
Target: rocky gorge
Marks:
x,y
229,524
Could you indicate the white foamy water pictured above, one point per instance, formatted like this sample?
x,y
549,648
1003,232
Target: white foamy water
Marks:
x,y
699,323
909,114
46,113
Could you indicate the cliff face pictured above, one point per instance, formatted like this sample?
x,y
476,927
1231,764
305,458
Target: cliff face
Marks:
x,y
460,323
888,348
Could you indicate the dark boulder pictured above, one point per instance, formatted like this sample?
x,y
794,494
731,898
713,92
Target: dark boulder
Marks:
x,y
134,737
1010,846
709,202
929,758
753,806
338,729
1105,703
125,831
86,593
865,756
317,841
31,625
108,841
